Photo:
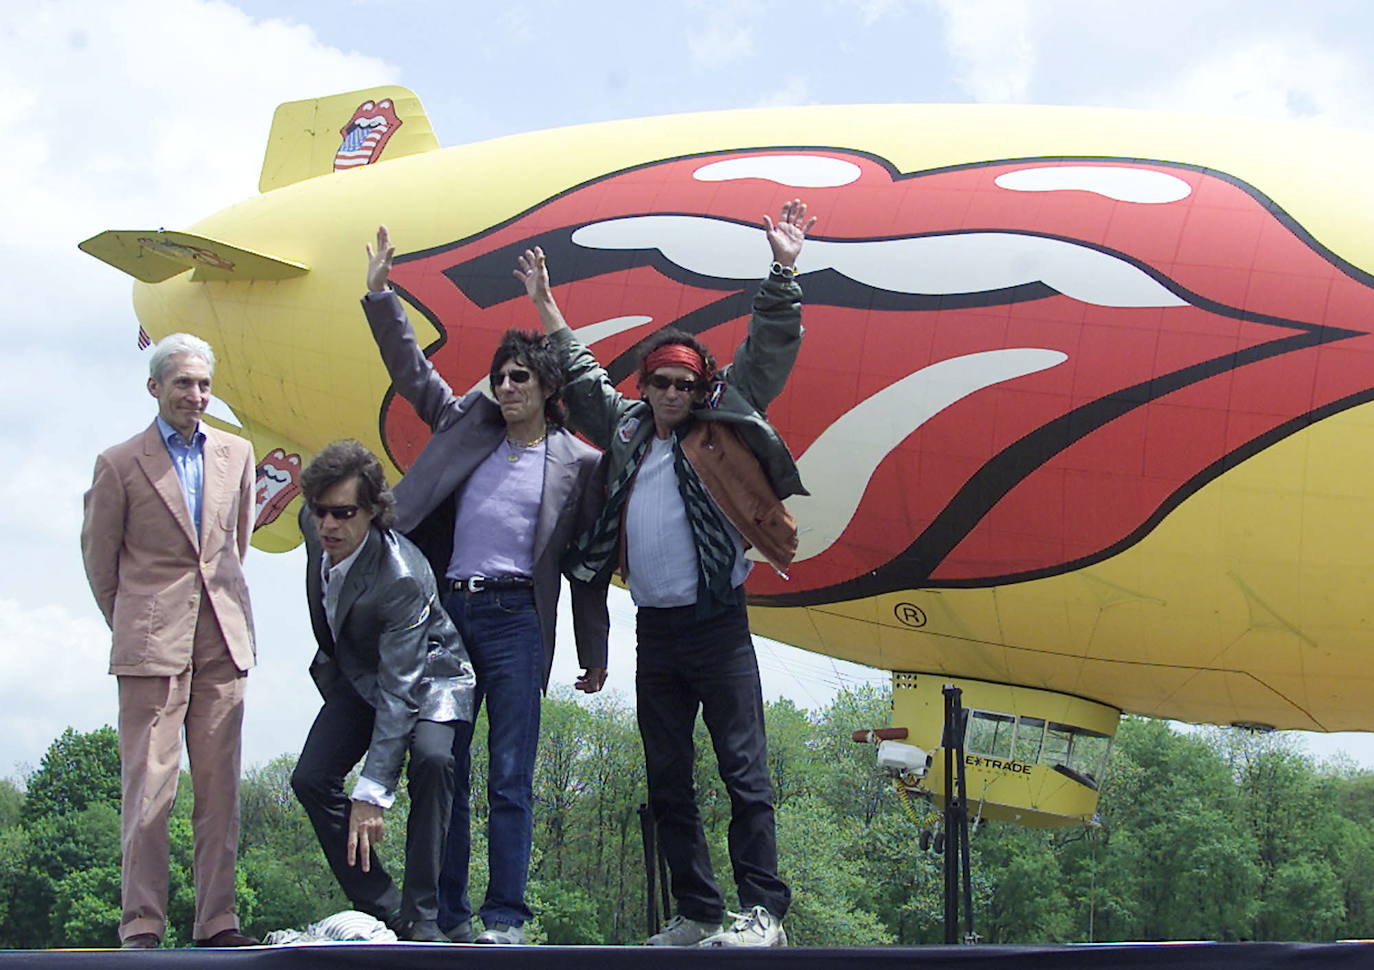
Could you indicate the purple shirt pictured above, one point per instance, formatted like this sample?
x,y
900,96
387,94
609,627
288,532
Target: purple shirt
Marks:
x,y
498,511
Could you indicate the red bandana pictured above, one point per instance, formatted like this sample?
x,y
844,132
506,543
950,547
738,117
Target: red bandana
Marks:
x,y
675,355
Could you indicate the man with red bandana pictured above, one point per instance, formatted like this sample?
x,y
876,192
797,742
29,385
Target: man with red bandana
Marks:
x,y
696,475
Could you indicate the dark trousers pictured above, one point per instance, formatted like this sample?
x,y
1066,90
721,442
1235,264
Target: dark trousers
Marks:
x,y
338,739
685,664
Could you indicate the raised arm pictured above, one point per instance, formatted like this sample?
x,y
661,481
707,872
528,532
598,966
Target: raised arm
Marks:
x,y
764,360
412,374
531,271
594,405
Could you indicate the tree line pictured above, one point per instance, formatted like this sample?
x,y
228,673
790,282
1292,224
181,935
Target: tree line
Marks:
x,y
1213,834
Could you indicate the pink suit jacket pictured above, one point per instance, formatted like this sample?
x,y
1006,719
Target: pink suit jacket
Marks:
x,y
147,566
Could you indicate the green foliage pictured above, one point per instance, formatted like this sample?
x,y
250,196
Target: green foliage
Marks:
x,y
11,804
1212,834
77,770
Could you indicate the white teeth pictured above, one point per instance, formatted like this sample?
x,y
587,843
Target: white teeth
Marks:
x,y
798,171
946,264
1112,181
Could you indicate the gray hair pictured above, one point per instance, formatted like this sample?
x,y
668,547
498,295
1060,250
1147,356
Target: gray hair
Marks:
x,y
178,343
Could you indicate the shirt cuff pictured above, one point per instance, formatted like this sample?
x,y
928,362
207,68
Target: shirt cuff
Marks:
x,y
374,296
367,790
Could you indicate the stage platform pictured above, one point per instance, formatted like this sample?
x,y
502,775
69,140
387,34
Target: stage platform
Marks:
x,y
437,956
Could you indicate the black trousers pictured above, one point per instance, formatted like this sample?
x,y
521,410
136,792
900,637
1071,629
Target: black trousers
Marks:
x,y
337,740
685,664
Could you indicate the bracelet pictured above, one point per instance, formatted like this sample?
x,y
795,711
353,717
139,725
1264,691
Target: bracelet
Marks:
x,y
785,272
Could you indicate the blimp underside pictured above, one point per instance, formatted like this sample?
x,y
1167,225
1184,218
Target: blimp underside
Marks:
x,y
1081,406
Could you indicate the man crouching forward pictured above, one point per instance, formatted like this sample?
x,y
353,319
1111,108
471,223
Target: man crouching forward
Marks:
x,y
395,677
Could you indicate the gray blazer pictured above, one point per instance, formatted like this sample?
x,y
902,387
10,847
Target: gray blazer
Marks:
x,y
465,431
396,646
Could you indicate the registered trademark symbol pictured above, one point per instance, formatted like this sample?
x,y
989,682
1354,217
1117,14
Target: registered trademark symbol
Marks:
x,y
909,614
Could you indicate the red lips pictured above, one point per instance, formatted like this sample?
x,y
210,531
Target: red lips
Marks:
x,y
1027,477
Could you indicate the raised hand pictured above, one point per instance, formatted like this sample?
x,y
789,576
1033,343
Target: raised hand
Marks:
x,y
379,260
533,274
789,232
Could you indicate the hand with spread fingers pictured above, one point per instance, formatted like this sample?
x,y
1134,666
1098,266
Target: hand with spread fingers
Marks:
x,y
379,261
789,232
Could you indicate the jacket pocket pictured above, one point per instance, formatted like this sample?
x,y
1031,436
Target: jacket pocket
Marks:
x,y
137,617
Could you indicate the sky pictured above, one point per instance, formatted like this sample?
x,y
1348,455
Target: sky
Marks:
x,y
138,113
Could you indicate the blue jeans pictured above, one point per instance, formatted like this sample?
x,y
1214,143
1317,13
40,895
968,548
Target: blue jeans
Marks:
x,y
500,629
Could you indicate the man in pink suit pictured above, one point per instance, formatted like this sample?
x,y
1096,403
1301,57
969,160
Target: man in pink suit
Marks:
x,y
168,518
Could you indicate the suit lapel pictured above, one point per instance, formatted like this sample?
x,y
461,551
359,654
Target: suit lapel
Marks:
x,y
314,585
157,465
214,488
560,472
360,576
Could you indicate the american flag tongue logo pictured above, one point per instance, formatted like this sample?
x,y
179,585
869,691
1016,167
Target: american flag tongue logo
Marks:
x,y
366,134
1146,327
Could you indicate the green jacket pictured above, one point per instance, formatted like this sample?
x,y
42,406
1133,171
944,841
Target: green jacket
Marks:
x,y
755,376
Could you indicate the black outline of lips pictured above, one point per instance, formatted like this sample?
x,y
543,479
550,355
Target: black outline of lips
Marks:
x,y
394,122
276,505
485,280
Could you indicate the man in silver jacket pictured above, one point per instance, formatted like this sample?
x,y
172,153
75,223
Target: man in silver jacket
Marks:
x,y
395,678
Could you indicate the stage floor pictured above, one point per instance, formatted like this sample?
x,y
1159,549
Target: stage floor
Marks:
x,y
400,956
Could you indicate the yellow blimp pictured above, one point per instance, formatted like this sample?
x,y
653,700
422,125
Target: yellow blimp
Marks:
x,y
1082,405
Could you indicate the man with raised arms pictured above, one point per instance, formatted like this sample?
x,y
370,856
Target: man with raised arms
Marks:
x,y
494,499
696,475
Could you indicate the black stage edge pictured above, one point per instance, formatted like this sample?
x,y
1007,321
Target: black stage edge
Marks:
x,y
437,956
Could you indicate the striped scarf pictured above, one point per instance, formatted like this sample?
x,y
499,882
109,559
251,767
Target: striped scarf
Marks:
x,y
592,555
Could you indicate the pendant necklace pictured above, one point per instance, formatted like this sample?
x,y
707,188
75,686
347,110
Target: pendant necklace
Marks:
x,y
520,447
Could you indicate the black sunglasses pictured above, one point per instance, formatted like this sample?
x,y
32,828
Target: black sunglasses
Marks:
x,y
517,375
662,382
341,513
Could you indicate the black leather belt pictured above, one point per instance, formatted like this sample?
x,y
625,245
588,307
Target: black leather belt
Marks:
x,y
477,584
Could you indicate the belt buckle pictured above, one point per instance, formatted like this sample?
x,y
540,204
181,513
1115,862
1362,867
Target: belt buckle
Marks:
x,y
475,584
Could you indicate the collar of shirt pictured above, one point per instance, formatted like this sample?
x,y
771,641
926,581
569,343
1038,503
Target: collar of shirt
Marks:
x,y
173,437
338,572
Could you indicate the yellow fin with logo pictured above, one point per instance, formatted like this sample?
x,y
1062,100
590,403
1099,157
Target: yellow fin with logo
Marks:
x,y
342,132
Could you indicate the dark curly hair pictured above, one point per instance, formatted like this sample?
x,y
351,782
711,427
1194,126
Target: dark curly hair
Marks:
x,y
674,336
341,460
531,348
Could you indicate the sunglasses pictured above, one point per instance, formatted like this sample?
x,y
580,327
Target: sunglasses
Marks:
x,y
517,375
661,382
341,513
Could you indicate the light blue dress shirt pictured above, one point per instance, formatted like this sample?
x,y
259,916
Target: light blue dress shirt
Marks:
x,y
188,459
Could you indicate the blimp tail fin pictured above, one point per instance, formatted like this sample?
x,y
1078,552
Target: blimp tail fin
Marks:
x,y
342,132
154,255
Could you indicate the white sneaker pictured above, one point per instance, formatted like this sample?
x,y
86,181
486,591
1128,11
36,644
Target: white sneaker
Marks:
x,y
758,927
682,931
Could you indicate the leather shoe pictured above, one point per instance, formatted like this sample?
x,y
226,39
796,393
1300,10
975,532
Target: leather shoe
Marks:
x,y
226,938
141,941
426,931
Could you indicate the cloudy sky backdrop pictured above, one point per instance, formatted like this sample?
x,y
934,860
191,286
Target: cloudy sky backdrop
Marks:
x,y
146,113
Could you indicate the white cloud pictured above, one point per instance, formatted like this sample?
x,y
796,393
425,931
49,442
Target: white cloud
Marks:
x,y
1269,77
52,666
991,42
150,114
132,114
